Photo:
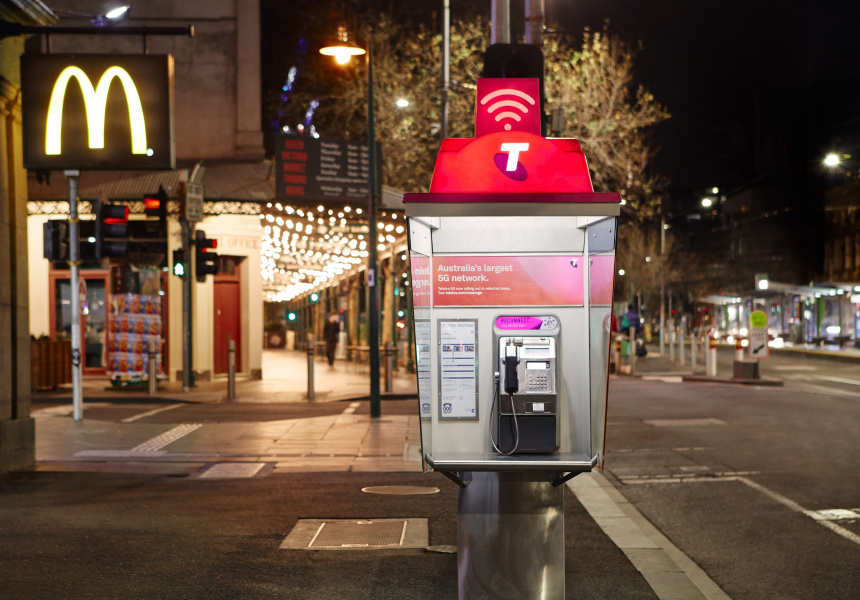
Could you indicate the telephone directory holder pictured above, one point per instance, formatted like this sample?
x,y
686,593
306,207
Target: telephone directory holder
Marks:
x,y
526,394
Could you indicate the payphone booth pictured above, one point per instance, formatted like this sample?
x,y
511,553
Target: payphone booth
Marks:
x,y
513,260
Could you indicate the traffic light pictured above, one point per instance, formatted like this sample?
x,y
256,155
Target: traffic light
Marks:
x,y
56,247
315,297
180,267
206,263
291,316
516,61
112,231
155,205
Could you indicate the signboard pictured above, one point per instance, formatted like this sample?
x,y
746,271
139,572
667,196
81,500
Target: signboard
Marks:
x,y
758,335
193,202
316,169
97,111
517,280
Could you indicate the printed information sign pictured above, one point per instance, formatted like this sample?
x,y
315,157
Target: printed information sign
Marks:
x,y
458,383
422,349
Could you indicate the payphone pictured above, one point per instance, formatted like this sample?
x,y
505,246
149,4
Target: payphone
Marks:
x,y
526,385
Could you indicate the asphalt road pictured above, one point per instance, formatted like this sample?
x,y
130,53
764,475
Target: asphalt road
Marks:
x,y
727,472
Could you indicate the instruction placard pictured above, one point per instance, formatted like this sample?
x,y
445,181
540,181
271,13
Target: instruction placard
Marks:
x,y
458,369
758,335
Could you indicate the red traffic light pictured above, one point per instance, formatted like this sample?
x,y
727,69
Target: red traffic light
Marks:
x,y
114,214
151,203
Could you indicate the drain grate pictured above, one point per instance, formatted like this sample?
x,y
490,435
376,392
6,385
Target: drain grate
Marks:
x,y
357,534
340,534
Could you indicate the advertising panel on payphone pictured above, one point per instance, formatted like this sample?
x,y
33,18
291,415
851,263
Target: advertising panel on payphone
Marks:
x,y
525,394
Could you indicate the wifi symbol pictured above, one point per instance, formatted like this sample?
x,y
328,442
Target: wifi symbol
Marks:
x,y
507,104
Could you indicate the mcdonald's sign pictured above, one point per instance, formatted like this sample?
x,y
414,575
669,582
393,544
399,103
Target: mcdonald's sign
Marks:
x,y
97,111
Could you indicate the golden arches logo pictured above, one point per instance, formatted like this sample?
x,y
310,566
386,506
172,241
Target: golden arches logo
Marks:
x,y
95,103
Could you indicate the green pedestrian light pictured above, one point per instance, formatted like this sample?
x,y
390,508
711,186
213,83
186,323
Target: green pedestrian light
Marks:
x,y
315,297
291,316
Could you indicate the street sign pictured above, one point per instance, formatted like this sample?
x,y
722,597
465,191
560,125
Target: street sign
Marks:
x,y
758,335
193,202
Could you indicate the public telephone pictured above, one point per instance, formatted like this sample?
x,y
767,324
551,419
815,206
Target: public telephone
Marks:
x,y
526,391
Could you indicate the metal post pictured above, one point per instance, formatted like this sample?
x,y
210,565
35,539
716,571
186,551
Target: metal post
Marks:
x,y
373,304
712,351
231,369
310,350
671,343
534,22
693,356
152,368
683,334
446,63
389,367
662,281
632,351
500,22
186,307
75,266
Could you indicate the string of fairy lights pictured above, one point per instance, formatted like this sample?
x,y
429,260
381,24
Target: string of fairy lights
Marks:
x,y
305,247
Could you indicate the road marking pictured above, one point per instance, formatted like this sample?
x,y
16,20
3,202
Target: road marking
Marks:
x,y
669,572
150,413
231,470
351,409
166,438
828,390
150,448
833,514
683,422
663,378
787,502
837,379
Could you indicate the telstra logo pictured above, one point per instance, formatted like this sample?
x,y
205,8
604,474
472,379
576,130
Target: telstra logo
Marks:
x,y
509,163
95,101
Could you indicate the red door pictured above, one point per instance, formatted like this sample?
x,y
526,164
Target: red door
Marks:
x,y
227,318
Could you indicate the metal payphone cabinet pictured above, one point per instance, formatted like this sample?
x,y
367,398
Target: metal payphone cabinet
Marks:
x,y
491,267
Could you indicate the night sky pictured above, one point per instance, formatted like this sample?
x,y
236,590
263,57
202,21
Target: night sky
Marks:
x,y
752,86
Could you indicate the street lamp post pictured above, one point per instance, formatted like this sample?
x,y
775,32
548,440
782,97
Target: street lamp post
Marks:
x,y
343,50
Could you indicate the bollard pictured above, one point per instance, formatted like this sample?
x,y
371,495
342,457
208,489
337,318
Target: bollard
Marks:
x,y
693,355
712,354
617,354
739,349
389,370
672,343
310,367
632,351
153,369
231,369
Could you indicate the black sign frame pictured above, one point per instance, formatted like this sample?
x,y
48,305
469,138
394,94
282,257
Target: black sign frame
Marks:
x,y
320,169
151,78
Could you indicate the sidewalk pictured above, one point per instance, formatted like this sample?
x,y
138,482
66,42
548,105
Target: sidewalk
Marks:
x,y
285,375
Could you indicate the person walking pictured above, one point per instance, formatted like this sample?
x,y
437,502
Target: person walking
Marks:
x,y
331,332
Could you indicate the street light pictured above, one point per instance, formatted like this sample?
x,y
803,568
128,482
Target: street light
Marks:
x,y
831,160
343,50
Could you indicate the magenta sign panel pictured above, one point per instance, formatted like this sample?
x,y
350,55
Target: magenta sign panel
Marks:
x,y
507,105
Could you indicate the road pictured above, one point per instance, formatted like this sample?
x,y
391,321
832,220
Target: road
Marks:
x,y
758,485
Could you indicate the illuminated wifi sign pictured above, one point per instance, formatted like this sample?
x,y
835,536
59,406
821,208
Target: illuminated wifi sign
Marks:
x,y
503,104
124,121
507,105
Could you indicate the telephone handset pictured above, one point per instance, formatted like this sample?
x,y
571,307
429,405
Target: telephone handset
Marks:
x,y
526,391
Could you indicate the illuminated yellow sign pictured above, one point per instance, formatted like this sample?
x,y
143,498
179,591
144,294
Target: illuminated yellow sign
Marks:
x,y
95,101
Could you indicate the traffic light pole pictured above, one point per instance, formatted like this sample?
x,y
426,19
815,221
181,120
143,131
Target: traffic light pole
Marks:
x,y
187,288
75,266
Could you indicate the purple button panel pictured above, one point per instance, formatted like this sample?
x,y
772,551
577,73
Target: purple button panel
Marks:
x,y
520,322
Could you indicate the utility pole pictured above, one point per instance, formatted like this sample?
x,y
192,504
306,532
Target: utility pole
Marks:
x,y
535,16
446,63
500,19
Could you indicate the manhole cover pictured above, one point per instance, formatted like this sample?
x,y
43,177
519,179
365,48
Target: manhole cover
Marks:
x,y
400,490
357,534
